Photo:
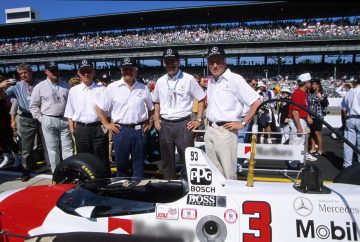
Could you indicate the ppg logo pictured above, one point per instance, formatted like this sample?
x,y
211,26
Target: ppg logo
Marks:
x,y
200,176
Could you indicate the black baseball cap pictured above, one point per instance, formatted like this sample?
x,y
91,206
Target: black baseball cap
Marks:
x,y
128,62
51,65
85,63
215,50
170,52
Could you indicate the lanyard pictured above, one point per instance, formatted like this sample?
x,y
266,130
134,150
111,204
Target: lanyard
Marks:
x,y
28,88
55,87
177,80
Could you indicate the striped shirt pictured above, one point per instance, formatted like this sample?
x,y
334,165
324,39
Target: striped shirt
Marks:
x,y
22,92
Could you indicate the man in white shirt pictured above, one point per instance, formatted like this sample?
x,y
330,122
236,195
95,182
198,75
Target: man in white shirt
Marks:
x,y
173,97
228,94
131,107
47,104
351,110
84,124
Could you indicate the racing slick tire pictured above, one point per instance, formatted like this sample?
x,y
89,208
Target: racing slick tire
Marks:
x,y
350,175
79,168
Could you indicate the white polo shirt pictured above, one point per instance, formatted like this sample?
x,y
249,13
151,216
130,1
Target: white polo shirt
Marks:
x,y
127,105
176,95
81,102
228,96
352,101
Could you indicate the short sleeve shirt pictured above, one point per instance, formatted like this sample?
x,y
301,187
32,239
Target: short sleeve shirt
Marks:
x,y
300,97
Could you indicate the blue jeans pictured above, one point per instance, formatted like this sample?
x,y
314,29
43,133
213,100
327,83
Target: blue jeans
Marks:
x,y
129,141
352,133
243,136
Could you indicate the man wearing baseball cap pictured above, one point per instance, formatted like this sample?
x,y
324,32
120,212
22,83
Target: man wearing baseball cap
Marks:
x,y
173,97
228,94
85,126
131,107
299,118
47,104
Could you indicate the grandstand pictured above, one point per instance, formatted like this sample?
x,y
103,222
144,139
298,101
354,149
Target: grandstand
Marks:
x,y
272,31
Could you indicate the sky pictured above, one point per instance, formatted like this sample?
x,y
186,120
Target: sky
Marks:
x,y
58,9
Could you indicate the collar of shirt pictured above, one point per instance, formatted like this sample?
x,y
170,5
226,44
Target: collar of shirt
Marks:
x,y
123,83
225,76
176,77
83,86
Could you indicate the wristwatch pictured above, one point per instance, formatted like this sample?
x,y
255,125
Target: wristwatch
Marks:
x,y
199,119
243,123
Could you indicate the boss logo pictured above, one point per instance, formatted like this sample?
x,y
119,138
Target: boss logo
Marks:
x,y
202,200
200,176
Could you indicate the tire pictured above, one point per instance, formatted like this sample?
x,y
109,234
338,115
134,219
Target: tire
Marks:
x,y
349,175
79,168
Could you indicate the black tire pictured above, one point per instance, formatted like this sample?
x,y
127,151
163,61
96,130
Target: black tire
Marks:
x,y
79,168
349,175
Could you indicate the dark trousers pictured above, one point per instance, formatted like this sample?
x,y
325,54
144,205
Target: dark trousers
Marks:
x,y
129,141
174,134
29,128
92,139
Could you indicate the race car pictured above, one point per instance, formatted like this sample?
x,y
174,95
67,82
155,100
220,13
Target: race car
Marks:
x,y
201,206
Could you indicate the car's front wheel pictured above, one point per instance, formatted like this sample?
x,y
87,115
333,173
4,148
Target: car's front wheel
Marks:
x,y
79,168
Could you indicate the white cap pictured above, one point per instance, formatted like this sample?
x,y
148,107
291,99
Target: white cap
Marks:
x,y
304,77
285,90
261,84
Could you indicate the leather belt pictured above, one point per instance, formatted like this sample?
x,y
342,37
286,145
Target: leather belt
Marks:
x,y
218,123
89,124
132,126
175,120
26,115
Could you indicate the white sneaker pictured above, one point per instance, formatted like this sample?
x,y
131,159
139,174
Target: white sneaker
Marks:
x,y
5,161
269,141
261,140
309,157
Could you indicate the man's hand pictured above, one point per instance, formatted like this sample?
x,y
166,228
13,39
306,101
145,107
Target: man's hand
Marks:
x,y
193,124
113,127
5,84
232,126
157,124
147,126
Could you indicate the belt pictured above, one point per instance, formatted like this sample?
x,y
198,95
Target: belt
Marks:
x,y
89,124
132,126
175,120
353,116
218,123
26,115
54,116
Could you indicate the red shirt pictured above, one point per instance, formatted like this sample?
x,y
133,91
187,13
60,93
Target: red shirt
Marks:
x,y
300,97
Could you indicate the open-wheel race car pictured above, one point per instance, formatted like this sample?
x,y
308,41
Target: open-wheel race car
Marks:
x,y
201,206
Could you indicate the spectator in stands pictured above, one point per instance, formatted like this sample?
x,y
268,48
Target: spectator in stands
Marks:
x,y
283,116
228,93
299,118
47,104
131,107
173,96
351,107
84,124
74,81
318,101
30,127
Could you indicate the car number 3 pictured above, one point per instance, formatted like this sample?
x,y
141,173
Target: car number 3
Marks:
x,y
262,223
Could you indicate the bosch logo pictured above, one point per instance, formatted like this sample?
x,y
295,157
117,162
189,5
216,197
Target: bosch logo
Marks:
x,y
200,176
214,49
303,206
169,51
127,60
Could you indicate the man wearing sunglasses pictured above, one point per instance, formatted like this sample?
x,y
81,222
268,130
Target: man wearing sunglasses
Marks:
x,y
84,124
47,104
131,107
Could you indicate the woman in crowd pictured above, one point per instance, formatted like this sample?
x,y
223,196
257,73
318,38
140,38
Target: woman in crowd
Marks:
x,y
317,101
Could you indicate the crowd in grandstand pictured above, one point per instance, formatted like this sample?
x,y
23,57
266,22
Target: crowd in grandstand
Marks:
x,y
340,28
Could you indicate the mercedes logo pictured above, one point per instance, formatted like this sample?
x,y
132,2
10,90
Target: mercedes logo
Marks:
x,y
84,62
127,60
214,49
303,206
52,63
169,51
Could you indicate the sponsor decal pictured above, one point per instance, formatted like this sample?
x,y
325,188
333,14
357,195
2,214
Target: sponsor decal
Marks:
x,y
230,216
307,229
200,176
303,206
206,200
325,208
167,212
203,189
189,213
